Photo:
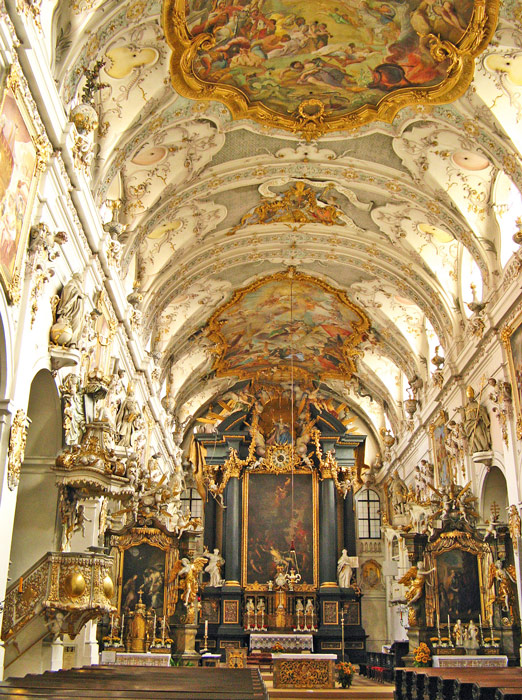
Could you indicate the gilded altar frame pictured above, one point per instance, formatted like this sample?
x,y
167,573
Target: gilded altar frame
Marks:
x,y
511,337
263,586
155,538
447,542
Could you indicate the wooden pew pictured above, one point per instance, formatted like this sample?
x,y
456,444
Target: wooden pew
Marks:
x,y
508,694
450,683
138,682
485,689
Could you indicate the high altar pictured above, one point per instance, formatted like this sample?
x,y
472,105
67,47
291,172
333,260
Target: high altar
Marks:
x,y
281,515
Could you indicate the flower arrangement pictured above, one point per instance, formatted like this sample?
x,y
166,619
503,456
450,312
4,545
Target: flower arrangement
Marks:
x,y
422,655
345,673
277,648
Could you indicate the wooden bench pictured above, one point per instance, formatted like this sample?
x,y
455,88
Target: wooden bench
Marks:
x,y
508,693
138,682
452,683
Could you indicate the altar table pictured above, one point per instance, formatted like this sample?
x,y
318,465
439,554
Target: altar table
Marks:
x,y
470,661
117,658
290,642
304,670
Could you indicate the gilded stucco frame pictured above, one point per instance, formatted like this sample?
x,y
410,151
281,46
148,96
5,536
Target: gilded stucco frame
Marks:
x,y
447,542
311,118
15,83
155,538
507,335
315,525
349,349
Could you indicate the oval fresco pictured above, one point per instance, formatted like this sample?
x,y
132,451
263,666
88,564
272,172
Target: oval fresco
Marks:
x,y
294,63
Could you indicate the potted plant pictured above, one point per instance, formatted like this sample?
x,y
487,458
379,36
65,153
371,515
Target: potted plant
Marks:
x,y
345,673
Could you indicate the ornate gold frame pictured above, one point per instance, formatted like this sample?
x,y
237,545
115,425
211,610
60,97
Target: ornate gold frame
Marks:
x,y
465,542
311,118
156,538
15,82
349,349
315,523
506,335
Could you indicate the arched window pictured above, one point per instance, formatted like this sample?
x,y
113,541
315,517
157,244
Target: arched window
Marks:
x,y
368,515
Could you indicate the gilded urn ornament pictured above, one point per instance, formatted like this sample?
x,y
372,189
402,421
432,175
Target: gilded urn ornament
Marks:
x,y
315,68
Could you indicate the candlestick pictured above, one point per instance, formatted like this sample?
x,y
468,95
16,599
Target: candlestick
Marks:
x,y
122,626
206,628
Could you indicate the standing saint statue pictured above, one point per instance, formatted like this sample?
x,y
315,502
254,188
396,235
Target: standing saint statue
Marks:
x,y
127,414
71,304
476,424
215,562
345,567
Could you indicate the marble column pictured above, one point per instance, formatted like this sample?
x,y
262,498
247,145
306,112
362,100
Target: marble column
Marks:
x,y
327,534
349,525
232,532
209,534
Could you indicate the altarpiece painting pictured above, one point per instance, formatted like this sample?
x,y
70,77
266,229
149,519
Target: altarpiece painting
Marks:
x,y
267,525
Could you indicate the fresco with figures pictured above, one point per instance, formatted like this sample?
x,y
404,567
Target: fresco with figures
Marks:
x,y
345,52
288,322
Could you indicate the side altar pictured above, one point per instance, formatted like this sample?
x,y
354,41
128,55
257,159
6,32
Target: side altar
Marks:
x,y
278,486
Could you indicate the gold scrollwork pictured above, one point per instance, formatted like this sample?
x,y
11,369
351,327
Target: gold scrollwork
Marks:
x,y
17,440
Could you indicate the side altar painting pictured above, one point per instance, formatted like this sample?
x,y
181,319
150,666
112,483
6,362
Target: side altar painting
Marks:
x,y
268,534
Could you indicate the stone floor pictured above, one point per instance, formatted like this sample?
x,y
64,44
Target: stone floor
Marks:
x,y
361,689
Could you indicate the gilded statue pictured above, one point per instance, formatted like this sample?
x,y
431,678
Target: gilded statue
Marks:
x,y
505,577
514,526
191,570
415,579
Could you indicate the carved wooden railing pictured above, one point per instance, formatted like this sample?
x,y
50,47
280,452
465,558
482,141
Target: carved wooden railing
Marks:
x,y
68,588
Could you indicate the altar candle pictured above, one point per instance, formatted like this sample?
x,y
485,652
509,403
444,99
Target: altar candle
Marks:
x,y
163,631
480,620
122,627
206,628
21,585
112,625
154,628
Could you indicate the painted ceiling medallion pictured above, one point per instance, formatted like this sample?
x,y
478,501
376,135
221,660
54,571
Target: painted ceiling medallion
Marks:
x,y
318,67
469,160
284,324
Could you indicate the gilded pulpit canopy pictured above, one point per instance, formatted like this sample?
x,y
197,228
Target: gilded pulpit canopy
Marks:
x,y
318,67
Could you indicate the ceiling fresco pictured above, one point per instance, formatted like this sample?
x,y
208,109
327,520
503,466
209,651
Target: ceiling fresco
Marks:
x,y
285,324
302,65
387,220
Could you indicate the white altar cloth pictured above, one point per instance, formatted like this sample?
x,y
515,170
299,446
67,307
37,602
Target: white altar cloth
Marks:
x,y
117,658
484,661
259,641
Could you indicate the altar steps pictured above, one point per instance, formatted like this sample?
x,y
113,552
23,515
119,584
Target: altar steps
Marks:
x,y
362,689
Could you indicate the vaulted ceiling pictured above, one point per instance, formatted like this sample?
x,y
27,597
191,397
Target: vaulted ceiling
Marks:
x,y
408,214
